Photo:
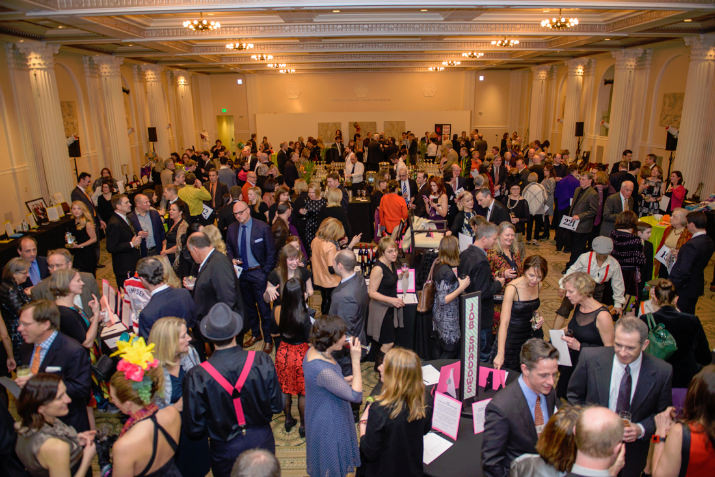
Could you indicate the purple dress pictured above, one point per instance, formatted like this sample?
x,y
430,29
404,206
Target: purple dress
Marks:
x,y
330,437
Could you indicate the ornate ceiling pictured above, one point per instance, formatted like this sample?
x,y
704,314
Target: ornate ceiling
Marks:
x,y
351,35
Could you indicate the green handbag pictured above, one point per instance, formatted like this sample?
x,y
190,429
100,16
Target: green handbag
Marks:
x,y
662,344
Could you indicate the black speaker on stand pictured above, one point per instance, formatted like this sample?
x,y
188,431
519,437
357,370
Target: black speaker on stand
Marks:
x,y
671,144
74,153
579,134
151,131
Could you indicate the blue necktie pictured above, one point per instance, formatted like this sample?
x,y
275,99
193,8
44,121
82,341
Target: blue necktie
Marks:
x,y
244,246
34,273
405,194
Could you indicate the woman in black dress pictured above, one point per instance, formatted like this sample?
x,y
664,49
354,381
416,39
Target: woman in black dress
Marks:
x,y
384,303
591,323
518,208
310,212
65,285
176,232
259,209
84,248
519,319
104,203
333,208
12,298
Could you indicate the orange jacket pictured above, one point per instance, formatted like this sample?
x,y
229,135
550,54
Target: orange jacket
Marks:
x,y
393,208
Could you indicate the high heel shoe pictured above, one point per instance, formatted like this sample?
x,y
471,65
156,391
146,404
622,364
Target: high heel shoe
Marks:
x,y
301,431
290,424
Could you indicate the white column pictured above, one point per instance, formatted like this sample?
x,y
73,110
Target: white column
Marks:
x,y
47,127
158,115
517,87
115,115
207,115
623,86
185,107
539,97
695,156
638,105
587,94
575,70
96,144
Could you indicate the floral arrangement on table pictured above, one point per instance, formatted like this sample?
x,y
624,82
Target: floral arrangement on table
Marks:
x,y
137,359
306,169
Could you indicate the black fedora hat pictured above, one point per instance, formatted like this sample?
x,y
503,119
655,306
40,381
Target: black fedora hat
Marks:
x,y
221,323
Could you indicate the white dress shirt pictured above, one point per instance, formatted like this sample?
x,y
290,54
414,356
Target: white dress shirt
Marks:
x,y
617,372
355,171
608,270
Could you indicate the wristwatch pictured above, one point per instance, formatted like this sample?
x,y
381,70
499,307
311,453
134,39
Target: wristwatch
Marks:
x,y
656,438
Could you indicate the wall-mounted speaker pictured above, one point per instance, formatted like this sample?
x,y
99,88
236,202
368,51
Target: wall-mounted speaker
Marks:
x,y
671,142
73,149
152,134
579,129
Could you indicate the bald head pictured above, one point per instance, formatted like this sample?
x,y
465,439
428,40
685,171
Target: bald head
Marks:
x,y
599,431
627,189
346,260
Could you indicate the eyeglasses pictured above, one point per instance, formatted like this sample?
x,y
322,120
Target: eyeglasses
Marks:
x,y
240,211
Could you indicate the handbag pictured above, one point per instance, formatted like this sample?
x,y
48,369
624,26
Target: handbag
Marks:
x,y
662,344
103,368
425,298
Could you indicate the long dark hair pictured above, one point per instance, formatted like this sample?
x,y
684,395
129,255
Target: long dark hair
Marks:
x,y
699,406
39,390
294,311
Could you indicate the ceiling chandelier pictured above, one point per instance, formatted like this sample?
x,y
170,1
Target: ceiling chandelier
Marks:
x,y
559,23
287,70
201,24
276,65
436,68
505,43
451,63
239,46
472,54
262,57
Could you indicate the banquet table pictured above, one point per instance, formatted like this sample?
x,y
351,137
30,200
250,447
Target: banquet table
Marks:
x,y
49,236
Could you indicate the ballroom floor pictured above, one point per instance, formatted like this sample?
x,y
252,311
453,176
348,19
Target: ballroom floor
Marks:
x,y
290,447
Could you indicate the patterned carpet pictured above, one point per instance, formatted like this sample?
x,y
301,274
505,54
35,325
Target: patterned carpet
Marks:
x,y
290,447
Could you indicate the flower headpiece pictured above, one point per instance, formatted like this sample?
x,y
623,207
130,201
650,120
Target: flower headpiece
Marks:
x,y
137,358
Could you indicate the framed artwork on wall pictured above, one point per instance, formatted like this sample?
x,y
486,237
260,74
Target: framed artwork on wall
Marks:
x,y
38,208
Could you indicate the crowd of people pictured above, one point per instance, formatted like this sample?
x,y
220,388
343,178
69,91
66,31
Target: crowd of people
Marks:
x,y
231,248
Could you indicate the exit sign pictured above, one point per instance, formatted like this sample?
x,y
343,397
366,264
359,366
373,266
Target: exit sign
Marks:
x,y
223,110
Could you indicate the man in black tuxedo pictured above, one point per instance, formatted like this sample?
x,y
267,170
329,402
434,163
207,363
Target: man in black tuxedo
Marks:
x,y
473,263
49,351
27,250
408,187
225,215
281,157
628,381
688,272
216,280
165,300
423,189
374,154
498,172
81,193
496,213
517,414
614,205
249,243
599,443
122,240
583,208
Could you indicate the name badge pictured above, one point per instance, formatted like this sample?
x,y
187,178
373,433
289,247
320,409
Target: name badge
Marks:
x,y
53,369
258,240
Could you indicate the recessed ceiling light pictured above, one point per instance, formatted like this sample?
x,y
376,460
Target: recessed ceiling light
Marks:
x,y
607,39
688,20
423,10
336,11
60,27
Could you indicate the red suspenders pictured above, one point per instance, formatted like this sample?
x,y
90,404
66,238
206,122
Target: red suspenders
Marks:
x,y
235,390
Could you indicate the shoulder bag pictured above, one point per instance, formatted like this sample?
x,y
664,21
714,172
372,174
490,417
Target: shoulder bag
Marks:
x,y
662,344
425,300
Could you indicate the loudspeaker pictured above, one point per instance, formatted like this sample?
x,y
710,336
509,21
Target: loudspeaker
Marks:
x,y
579,129
73,149
671,142
152,134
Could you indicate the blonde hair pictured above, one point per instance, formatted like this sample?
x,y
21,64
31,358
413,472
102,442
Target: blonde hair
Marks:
x,y
257,193
334,196
582,282
384,244
86,218
500,229
214,235
60,282
170,277
316,188
165,336
402,384
331,229
300,186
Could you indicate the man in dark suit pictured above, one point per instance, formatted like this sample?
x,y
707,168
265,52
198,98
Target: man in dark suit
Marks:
x,y
49,351
599,443
27,250
614,205
122,240
349,299
165,300
333,180
225,215
374,154
281,157
61,259
149,226
496,213
473,263
81,193
517,414
291,171
218,191
481,145
408,187
583,208
216,280
628,381
423,189
498,172
688,272
249,243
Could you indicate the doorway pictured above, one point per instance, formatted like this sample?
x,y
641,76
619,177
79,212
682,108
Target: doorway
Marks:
x,y
225,129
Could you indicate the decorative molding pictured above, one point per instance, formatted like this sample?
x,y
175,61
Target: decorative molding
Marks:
x,y
627,59
108,65
702,47
152,73
38,55
542,72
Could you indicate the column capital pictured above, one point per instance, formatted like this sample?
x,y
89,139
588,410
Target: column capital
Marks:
x,y
36,54
578,66
542,72
627,58
702,47
152,73
107,65
182,77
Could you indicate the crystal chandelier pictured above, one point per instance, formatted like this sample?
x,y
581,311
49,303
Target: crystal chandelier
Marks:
x,y
262,57
239,46
201,24
287,70
451,63
504,42
276,65
436,68
559,23
472,54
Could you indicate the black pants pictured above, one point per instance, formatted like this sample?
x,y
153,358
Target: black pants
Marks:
x,y
579,242
253,285
325,294
562,236
687,304
535,223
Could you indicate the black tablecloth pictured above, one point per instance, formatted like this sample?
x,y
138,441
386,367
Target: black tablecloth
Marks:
x,y
141,190
48,236
416,333
360,219
464,458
